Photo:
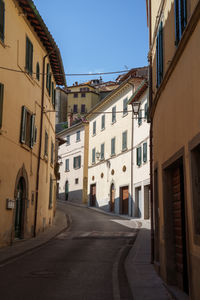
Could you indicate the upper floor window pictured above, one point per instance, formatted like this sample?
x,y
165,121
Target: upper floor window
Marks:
x,y
114,114
68,139
93,155
77,162
75,108
146,111
2,20
1,103
46,144
75,95
27,134
83,95
180,11
52,152
38,71
139,156
102,152
159,55
83,110
67,165
140,117
53,95
112,146
125,106
78,136
103,122
145,152
48,79
94,128
29,56
84,89
124,140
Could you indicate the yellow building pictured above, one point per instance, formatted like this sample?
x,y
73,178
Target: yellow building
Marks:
x,y
30,69
174,56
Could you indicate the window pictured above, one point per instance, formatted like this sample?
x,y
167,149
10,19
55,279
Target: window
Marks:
x,y
125,106
75,95
124,140
75,108
78,136
145,152
27,134
77,162
94,128
103,122
159,55
82,108
180,11
50,192
38,71
48,79
53,94
2,20
140,117
146,111
112,146
29,56
67,165
102,152
114,114
76,180
68,140
1,103
93,155
46,143
85,89
52,152
82,95
139,156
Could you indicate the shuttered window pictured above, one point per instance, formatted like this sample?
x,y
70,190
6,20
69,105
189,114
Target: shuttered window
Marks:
x,y
159,55
114,114
77,162
139,156
112,146
52,93
94,128
46,143
78,133
146,111
125,106
32,138
52,152
103,122
140,117
2,20
124,140
48,82
29,56
38,71
28,130
67,165
102,152
50,192
1,103
68,140
145,152
93,155
180,12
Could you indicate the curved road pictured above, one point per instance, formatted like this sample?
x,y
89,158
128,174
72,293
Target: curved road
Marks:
x,y
80,263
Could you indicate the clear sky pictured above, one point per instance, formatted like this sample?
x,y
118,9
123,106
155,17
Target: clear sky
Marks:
x,y
97,36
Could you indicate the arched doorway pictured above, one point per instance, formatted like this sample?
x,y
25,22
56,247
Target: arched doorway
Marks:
x,y
112,197
66,190
20,208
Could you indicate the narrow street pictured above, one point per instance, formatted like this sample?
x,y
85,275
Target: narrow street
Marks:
x,y
78,264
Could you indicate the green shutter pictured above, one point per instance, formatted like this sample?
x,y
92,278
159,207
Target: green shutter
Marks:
x,y
54,98
145,152
23,125
35,136
102,151
49,84
47,77
52,152
114,114
2,20
46,144
37,71
103,122
74,162
52,95
113,146
146,110
1,103
161,51
27,54
140,118
32,131
93,155
79,161
31,58
124,140
176,14
139,156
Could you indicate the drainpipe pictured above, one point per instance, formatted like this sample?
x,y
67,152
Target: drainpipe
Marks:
x,y
40,146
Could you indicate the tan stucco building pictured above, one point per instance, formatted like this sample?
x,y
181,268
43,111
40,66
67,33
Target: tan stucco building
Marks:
x,y
30,69
174,27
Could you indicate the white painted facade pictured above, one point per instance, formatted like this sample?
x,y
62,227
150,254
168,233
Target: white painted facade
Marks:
x,y
141,174
69,173
113,169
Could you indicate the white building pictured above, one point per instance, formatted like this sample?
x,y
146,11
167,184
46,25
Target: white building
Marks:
x,y
141,157
110,150
73,159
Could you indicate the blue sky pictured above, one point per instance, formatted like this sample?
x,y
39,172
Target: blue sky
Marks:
x,y
97,36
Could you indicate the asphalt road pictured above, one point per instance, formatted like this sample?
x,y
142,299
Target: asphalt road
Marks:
x,y
80,263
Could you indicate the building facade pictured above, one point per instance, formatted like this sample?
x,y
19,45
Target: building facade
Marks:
x,y
27,123
73,160
174,36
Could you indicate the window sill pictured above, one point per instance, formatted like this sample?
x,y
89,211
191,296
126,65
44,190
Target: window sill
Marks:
x,y
27,148
112,155
77,168
78,141
2,43
113,122
102,129
123,150
124,115
94,134
66,171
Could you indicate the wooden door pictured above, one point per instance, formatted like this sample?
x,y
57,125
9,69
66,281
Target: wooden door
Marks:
x,y
112,197
178,208
19,210
93,195
124,200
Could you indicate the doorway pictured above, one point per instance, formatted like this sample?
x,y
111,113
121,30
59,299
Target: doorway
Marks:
x,y
19,210
124,197
93,195
112,197
66,190
138,198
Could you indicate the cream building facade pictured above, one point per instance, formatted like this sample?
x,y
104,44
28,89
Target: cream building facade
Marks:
x,y
27,121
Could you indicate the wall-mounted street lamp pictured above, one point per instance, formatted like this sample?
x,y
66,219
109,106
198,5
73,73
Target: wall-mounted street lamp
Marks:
x,y
136,107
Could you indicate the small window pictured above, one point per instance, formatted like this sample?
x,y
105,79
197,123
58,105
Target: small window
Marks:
x,y
124,141
180,11
1,103
83,110
76,180
146,111
2,20
140,117
82,95
145,152
52,152
38,71
67,165
68,140
27,134
75,108
93,155
48,79
125,106
29,56
112,146
114,114
159,56
84,89
77,162
75,95
139,156
94,128
51,192
78,136
103,122
102,152
52,94
46,143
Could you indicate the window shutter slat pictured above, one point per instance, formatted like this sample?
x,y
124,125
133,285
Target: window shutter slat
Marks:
x,y
23,125
1,103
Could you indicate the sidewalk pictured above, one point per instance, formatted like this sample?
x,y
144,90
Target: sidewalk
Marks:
x,y
21,247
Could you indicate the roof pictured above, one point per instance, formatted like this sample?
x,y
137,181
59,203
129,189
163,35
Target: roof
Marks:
x,y
46,38
140,90
135,72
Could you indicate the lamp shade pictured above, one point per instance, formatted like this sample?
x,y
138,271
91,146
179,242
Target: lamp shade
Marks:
x,y
136,107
